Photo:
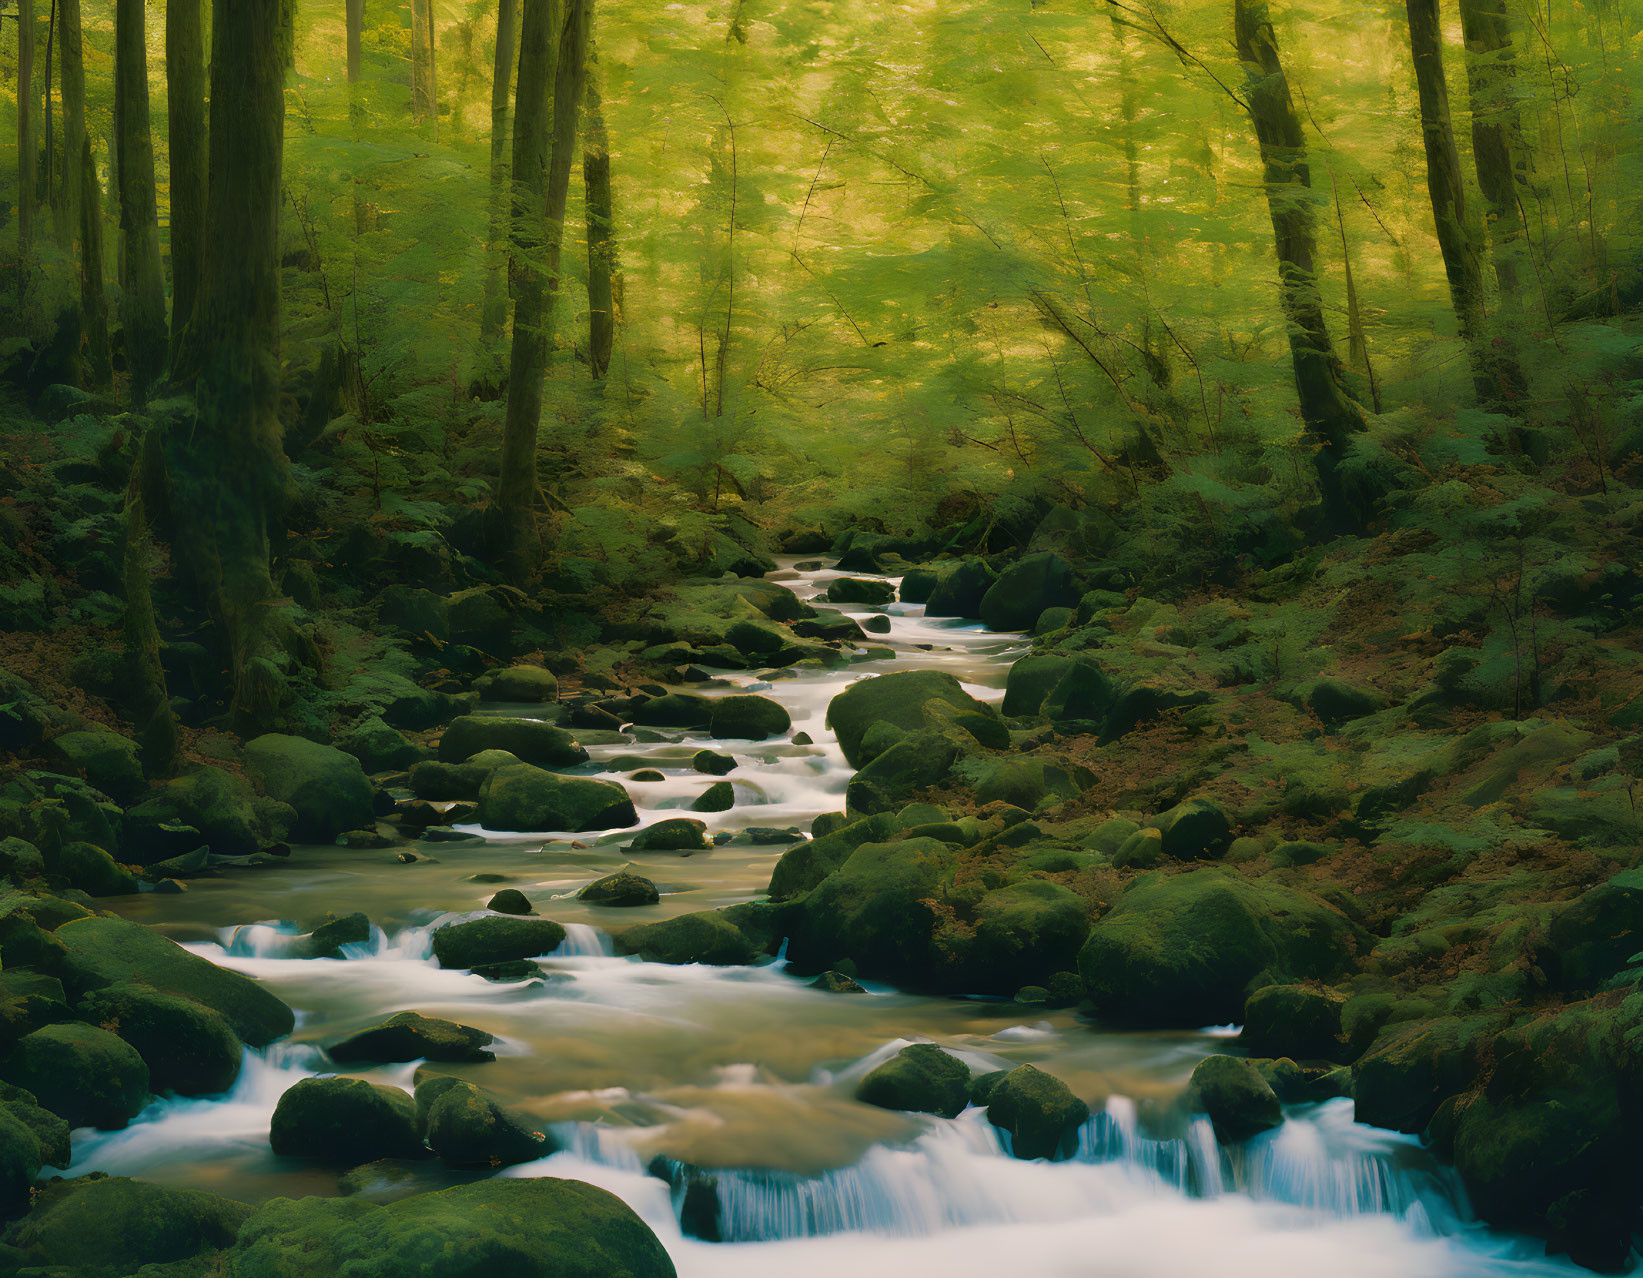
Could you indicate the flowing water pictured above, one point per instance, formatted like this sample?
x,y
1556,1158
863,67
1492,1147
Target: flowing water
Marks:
x,y
748,1071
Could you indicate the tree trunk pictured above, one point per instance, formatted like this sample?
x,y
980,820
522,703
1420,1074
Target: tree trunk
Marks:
x,y
601,231
74,122
1487,31
93,305
226,460
533,306
142,304
1330,413
356,28
1448,193
53,194
25,141
424,92
145,676
495,313
185,104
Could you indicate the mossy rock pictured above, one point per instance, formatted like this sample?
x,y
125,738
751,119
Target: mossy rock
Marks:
x,y
712,763
1022,782
327,939
87,1076
1597,935
1142,850
466,1128
1024,932
98,1225
1236,1096
1412,1069
527,798
675,710
958,592
1037,1110
443,782
718,797
91,870
189,1048
1337,701
747,718
711,937
921,1079
528,740
898,699
917,761
855,590
1030,681
497,939
1298,1021
1185,949
917,585
518,683
520,1228
510,901
410,1036
344,1122
107,951
804,866
1084,695
1053,619
1193,830
623,889
20,860
1299,852
378,746
1026,588
325,787
105,758
676,834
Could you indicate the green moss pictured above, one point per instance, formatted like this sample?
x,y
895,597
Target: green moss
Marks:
x,y
921,1078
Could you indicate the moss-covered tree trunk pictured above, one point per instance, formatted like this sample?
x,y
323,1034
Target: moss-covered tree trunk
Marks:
x,y
145,677
72,64
494,315
99,362
1496,130
25,141
142,297
185,107
424,92
226,460
1331,414
601,228
354,16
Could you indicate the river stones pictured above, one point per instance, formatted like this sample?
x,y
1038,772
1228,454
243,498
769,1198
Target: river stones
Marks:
x,y
712,763
21,1158
344,1122
112,1224
1302,1022
467,1128
917,584
677,834
1182,950
1025,932
524,1228
718,797
1029,682
747,718
518,683
916,761
410,1036
1037,1110
804,866
1194,829
674,710
522,797
327,940
86,1075
1595,936
920,1078
510,901
105,758
899,700
379,747
1239,1101
1084,696
497,939
958,591
855,590
1413,1069
529,740
719,938
620,889
326,787
90,869
837,983
441,782
188,1048
1026,588
1022,782
108,951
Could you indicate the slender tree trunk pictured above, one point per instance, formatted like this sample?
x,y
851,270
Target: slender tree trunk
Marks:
x,y
93,305
356,28
539,283
25,142
601,231
185,104
227,462
495,313
1496,130
143,297
145,676
53,194
74,122
1330,413
424,92
1447,190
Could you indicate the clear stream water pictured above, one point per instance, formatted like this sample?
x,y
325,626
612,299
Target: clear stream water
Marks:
x,y
749,1071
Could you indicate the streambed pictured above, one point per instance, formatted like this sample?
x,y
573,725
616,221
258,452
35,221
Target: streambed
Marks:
x,y
748,1071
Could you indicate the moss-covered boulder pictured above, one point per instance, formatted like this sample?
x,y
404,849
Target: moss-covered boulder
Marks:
x,y
344,1122
328,937
221,807
1238,1099
920,1078
1022,782
510,901
747,718
804,866
917,585
1597,934
959,590
90,869
718,797
1302,1022
1037,1110
521,1228
466,1128
107,951
712,763
522,797
518,683
1030,680
856,590
714,937
529,740
497,939
1400,1082
99,1225
675,710
20,860
188,1048
103,757
879,910
326,787
1186,949
900,700
1026,588
1083,697
1025,932
1336,701
1194,829
434,781
676,834
410,1036
623,889
379,746
917,761
1141,850
84,1074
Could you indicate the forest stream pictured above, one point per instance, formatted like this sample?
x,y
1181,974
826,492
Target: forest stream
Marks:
x,y
747,1072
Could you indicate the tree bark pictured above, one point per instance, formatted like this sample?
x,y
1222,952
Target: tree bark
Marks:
x,y
1496,130
538,283
1330,413
424,92
495,312
601,230
356,28
74,121
226,461
185,103
25,142
142,304
99,364
145,675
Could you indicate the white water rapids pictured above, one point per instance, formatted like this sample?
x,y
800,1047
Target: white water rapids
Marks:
x,y
747,1072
